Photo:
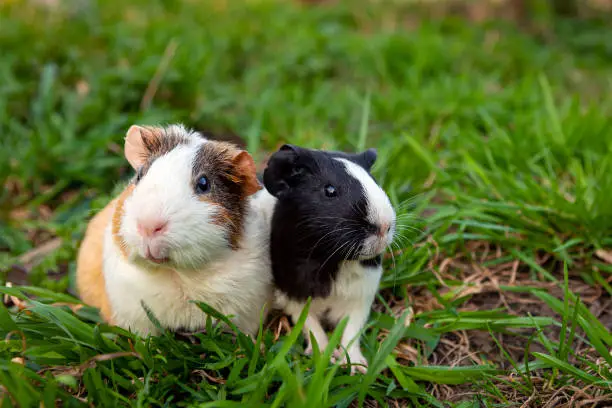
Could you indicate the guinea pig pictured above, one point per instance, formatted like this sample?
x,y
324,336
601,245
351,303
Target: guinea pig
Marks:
x,y
330,226
190,226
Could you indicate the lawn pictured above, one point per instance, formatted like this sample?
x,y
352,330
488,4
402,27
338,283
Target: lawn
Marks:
x,y
495,146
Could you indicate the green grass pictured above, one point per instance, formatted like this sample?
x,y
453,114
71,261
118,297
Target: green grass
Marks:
x,y
495,145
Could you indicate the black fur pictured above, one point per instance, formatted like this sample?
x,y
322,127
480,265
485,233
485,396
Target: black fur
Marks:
x,y
311,232
372,263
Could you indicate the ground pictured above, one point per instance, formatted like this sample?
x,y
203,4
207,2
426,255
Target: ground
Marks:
x,y
495,146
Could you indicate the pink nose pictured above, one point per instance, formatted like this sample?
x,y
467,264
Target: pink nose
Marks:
x,y
151,227
385,228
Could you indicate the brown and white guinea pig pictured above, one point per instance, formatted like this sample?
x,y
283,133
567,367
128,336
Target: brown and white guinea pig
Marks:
x,y
330,225
190,226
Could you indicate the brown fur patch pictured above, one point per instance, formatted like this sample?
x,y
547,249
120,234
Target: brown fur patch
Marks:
x,y
160,141
246,173
229,183
89,276
116,220
222,218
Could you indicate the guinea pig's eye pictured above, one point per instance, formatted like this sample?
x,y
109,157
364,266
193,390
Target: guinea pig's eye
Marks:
x,y
330,191
203,185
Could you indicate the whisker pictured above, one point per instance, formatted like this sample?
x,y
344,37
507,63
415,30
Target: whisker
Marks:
x,y
394,271
411,200
323,237
411,228
333,253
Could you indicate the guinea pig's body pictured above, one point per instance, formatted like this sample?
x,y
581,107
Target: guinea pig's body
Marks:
x,y
191,226
351,295
330,225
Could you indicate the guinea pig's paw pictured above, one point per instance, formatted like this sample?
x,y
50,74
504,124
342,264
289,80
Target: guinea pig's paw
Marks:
x,y
361,368
359,364
338,356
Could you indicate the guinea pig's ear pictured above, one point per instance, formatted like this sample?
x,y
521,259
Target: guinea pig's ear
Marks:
x,y
368,158
135,149
281,168
247,174
288,147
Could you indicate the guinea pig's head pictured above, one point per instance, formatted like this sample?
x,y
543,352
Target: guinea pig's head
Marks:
x,y
187,201
332,201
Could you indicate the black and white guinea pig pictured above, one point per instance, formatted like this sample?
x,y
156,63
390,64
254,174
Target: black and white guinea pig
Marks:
x,y
330,226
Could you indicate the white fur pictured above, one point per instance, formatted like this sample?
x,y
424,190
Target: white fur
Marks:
x,y
166,192
203,267
380,209
352,296
355,287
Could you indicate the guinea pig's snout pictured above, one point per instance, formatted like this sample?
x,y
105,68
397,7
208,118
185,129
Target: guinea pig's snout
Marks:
x,y
385,228
151,227
381,229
